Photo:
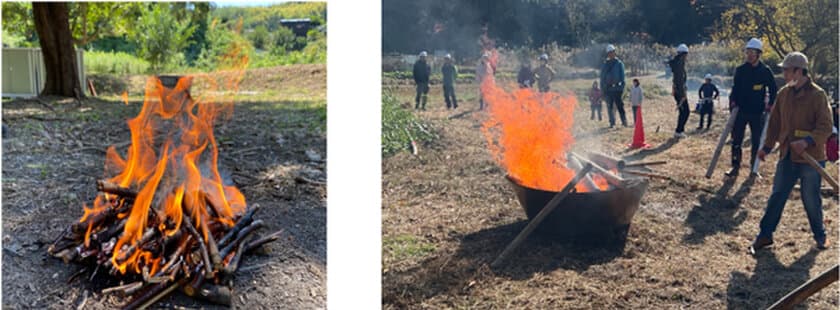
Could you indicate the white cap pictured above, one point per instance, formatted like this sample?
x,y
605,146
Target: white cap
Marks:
x,y
682,48
423,54
708,76
610,48
754,44
544,56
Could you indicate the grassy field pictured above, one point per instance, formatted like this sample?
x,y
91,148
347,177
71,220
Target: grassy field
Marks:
x,y
448,212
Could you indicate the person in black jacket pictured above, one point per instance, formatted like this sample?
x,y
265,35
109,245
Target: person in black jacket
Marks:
x,y
679,89
753,92
525,77
450,74
708,92
421,73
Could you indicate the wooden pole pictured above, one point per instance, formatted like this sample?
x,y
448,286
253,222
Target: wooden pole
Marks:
x,y
606,160
608,175
806,290
726,130
761,142
549,207
576,165
813,162
646,163
647,174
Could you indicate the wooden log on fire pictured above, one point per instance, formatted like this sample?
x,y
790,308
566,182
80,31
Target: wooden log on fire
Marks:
x,y
606,161
241,236
552,204
807,289
721,141
587,181
242,223
205,256
112,188
611,178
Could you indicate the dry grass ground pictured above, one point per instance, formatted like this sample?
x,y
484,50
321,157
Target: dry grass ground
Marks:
x,y
448,212
53,153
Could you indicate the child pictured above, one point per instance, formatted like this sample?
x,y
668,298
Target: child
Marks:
x,y
595,101
707,93
635,98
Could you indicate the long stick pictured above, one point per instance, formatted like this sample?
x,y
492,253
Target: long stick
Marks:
x,y
606,160
647,174
549,207
646,163
761,142
726,130
806,290
587,181
813,162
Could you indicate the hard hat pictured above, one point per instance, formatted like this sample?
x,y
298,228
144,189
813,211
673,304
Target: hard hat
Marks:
x,y
754,44
708,76
423,54
610,48
448,56
544,57
795,60
682,48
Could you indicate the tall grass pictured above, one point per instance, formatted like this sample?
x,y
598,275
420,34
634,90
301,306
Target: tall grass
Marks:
x,y
400,126
118,63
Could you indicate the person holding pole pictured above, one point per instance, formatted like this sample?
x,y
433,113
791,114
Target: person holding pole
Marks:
x,y
753,80
801,123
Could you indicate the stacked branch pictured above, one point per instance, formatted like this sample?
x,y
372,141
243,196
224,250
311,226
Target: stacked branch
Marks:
x,y
197,258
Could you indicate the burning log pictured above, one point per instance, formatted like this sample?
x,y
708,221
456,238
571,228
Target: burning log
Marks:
x,y
608,175
111,188
606,161
587,181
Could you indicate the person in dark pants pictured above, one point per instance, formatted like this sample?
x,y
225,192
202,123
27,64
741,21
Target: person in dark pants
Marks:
x,y
612,84
679,90
595,101
708,93
421,73
801,124
544,74
525,77
753,82
450,74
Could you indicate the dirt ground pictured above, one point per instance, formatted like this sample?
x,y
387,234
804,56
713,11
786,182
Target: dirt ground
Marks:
x,y
273,149
448,212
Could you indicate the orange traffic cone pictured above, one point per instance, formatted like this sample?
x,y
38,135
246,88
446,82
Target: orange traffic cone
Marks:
x,y
639,133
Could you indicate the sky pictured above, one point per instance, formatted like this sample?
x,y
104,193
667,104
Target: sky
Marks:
x,y
228,3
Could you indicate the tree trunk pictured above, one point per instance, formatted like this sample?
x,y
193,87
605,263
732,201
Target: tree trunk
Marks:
x,y
53,27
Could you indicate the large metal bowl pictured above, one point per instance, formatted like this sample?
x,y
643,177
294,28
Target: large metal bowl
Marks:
x,y
585,216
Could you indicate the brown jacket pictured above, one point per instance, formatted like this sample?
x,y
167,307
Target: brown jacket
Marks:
x,y
800,114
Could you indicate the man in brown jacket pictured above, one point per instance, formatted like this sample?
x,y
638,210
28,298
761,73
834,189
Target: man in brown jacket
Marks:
x,y
799,122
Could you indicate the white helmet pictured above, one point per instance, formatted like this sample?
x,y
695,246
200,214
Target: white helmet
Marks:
x,y
544,57
485,55
708,76
682,48
754,44
610,48
448,56
423,54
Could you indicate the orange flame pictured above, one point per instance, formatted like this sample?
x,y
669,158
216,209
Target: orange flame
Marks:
x,y
173,161
529,133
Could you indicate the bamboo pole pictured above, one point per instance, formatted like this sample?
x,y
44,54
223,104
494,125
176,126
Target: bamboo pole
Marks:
x,y
807,289
813,162
726,130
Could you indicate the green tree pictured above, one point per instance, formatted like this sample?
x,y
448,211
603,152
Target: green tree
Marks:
x,y
18,22
90,21
161,36
260,37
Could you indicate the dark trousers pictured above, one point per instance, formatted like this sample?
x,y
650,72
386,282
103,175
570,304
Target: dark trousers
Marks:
x,y
596,109
422,95
754,120
635,114
708,124
449,96
787,173
684,112
614,103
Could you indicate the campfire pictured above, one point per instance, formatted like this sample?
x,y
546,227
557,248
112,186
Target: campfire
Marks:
x,y
586,195
165,219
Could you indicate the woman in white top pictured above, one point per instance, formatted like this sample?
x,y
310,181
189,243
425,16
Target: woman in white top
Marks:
x,y
635,98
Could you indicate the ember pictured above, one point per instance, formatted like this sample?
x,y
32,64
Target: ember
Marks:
x,y
166,218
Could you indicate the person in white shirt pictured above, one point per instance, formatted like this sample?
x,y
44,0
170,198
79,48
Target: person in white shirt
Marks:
x,y
635,98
